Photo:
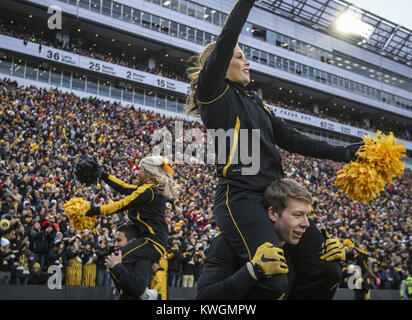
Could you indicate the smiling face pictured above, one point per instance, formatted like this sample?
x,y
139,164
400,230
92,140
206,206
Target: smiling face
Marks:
x,y
292,222
239,70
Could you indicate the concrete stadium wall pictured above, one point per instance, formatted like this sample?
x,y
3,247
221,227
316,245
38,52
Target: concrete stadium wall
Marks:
x,y
32,292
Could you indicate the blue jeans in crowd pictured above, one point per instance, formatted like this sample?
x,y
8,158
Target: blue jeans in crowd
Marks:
x,y
103,278
175,278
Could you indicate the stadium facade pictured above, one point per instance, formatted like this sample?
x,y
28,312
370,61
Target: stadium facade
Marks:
x,y
329,85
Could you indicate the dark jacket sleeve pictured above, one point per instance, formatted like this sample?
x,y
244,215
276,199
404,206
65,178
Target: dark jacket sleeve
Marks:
x,y
290,139
218,284
118,185
211,83
133,282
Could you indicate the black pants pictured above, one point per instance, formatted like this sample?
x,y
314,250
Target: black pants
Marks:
x,y
241,215
315,279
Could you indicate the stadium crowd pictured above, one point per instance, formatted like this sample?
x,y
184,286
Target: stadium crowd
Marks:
x,y
45,131
84,47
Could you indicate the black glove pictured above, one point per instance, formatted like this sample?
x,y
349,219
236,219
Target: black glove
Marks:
x,y
350,150
88,170
93,211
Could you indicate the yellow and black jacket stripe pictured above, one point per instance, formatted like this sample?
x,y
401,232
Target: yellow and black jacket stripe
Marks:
x,y
145,207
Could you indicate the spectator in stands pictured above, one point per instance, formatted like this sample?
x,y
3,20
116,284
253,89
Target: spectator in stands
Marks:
x,y
103,275
5,262
174,257
37,276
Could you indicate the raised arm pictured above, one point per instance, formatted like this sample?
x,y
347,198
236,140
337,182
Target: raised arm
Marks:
x,y
118,185
291,140
211,82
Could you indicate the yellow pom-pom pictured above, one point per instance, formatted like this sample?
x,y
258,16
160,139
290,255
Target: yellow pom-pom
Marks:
x,y
75,209
378,162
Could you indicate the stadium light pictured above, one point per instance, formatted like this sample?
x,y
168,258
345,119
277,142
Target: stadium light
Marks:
x,y
350,22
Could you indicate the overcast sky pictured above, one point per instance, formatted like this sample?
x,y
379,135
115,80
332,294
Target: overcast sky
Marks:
x,y
396,11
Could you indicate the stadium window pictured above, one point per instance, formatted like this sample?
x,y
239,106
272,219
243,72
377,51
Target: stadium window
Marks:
x,y
31,70
259,33
298,69
329,59
173,29
317,75
174,5
18,68
127,14
180,104
138,95
285,42
149,98
166,4
115,92
160,101
78,82
171,103
44,73
67,79
305,71
191,9
216,17
191,34
292,67
84,4
56,76
207,15
155,23
91,85
247,29
298,47
182,31
346,81
311,73
164,26
136,16
199,12
72,2
156,2
199,37
223,18
271,60
208,38
285,66
255,55
117,10
107,7
278,62
278,40
263,57
329,79
292,45
5,64
183,7
95,6
145,20
127,93
270,37
323,77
